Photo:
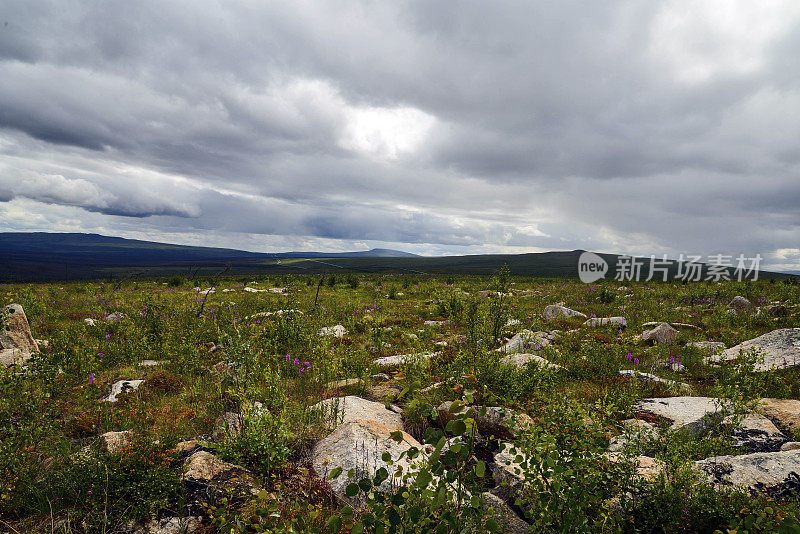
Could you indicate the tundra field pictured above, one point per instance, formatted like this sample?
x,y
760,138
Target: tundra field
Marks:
x,y
380,403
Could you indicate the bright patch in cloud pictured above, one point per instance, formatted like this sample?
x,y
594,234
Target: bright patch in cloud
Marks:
x,y
386,132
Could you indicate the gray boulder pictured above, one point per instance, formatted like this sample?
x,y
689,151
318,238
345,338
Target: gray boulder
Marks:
x,y
780,349
740,304
606,321
527,340
520,360
697,415
663,334
556,311
771,472
340,410
359,445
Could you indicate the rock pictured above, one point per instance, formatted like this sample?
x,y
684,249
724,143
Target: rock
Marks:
x,y
780,348
152,363
359,445
173,525
205,471
606,321
122,386
527,340
520,360
791,446
678,387
498,421
398,359
510,522
740,304
555,311
380,376
697,415
254,290
114,317
18,334
335,331
712,347
9,357
677,326
776,310
771,472
513,322
89,321
662,334
113,441
187,446
227,425
208,291
277,290
341,410
785,413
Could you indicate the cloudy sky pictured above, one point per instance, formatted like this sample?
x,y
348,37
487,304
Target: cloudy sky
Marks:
x,y
645,127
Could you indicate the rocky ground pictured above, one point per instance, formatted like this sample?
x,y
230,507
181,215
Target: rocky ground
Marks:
x,y
665,382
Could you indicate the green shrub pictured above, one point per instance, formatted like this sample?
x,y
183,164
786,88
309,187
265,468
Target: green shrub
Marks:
x,y
262,445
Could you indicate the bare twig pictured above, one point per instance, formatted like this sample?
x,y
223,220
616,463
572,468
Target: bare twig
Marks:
x,y
137,273
213,284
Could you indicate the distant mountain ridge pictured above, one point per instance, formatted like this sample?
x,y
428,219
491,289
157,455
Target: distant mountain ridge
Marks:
x,y
107,247
42,256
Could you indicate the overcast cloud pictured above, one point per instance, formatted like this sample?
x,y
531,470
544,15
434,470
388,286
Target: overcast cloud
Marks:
x,y
645,127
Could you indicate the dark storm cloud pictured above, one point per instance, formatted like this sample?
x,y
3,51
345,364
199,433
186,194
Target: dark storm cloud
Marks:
x,y
644,127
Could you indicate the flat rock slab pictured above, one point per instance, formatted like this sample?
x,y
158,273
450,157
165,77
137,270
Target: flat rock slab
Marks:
x,y
780,349
785,413
207,471
698,414
341,410
335,331
771,472
595,322
399,359
359,445
114,441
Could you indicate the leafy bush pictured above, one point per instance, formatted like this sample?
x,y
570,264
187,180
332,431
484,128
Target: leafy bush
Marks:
x,y
262,444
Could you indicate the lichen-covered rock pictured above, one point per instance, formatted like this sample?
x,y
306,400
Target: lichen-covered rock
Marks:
x,y
700,414
740,304
114,441
775,473
527,340
785,413
778,349
9,357
556,311
227,425
17,331
663,334
509,521
595,322
203,471
359,445
340,410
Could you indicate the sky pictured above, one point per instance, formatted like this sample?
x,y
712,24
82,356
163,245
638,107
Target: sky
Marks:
x,y
633,127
